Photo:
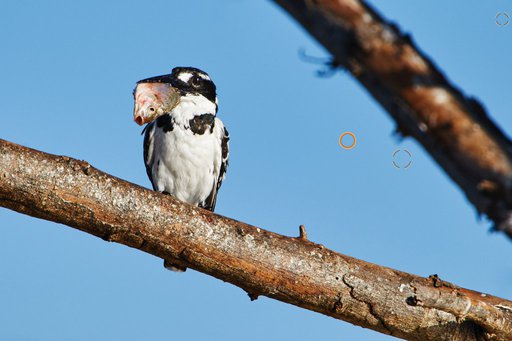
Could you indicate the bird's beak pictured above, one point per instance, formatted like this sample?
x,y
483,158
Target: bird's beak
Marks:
x,y
153,98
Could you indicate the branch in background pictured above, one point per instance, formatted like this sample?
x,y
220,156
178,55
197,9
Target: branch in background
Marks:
x,y
453,127
292,270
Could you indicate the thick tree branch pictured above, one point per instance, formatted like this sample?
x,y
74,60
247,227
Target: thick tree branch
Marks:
x,y
292,270
453,127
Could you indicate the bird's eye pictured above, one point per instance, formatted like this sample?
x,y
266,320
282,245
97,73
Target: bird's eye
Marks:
x,y
195,81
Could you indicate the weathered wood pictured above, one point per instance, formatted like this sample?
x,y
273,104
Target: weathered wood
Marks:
x,y
289,269
453,127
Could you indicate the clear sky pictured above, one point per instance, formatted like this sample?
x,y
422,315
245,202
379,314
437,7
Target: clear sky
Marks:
x,y
68,70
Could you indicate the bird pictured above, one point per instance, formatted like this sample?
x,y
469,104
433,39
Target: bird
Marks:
x,y
186,146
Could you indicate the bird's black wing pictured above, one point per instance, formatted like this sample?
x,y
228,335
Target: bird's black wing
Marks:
x,y
211,200
148,132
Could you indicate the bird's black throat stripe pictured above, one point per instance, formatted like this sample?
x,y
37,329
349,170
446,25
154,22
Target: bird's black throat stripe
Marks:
x,y
165,122
199,124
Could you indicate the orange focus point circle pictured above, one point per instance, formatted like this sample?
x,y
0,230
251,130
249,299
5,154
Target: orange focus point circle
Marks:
x,y
341,142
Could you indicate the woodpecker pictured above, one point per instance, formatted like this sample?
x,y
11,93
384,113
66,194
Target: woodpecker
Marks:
x,y
186,146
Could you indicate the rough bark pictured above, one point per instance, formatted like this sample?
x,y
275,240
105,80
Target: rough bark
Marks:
x,y
292,270
451,126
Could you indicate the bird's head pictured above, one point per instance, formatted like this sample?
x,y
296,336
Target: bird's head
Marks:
x,y
159,95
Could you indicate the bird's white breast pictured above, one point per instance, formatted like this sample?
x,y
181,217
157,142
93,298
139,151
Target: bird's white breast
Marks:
x,y
187,165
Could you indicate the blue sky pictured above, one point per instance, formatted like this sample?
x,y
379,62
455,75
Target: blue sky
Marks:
x,y
68,70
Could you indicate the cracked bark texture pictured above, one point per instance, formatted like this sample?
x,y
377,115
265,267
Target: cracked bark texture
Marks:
x,y
453,127
290,269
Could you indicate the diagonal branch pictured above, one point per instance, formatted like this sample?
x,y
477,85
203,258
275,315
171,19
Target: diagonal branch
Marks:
x,y
453,127
292,270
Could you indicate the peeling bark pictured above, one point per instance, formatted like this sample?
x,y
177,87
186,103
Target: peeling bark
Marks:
x,y
453,127
290,269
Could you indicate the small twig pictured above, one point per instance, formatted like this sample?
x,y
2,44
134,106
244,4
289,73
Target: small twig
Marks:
x,y
330,65
302,233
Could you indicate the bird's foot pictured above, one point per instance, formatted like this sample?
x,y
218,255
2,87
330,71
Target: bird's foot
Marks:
x,y
173,266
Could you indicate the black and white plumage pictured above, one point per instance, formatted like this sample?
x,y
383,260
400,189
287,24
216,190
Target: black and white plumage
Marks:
x,y
186,146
